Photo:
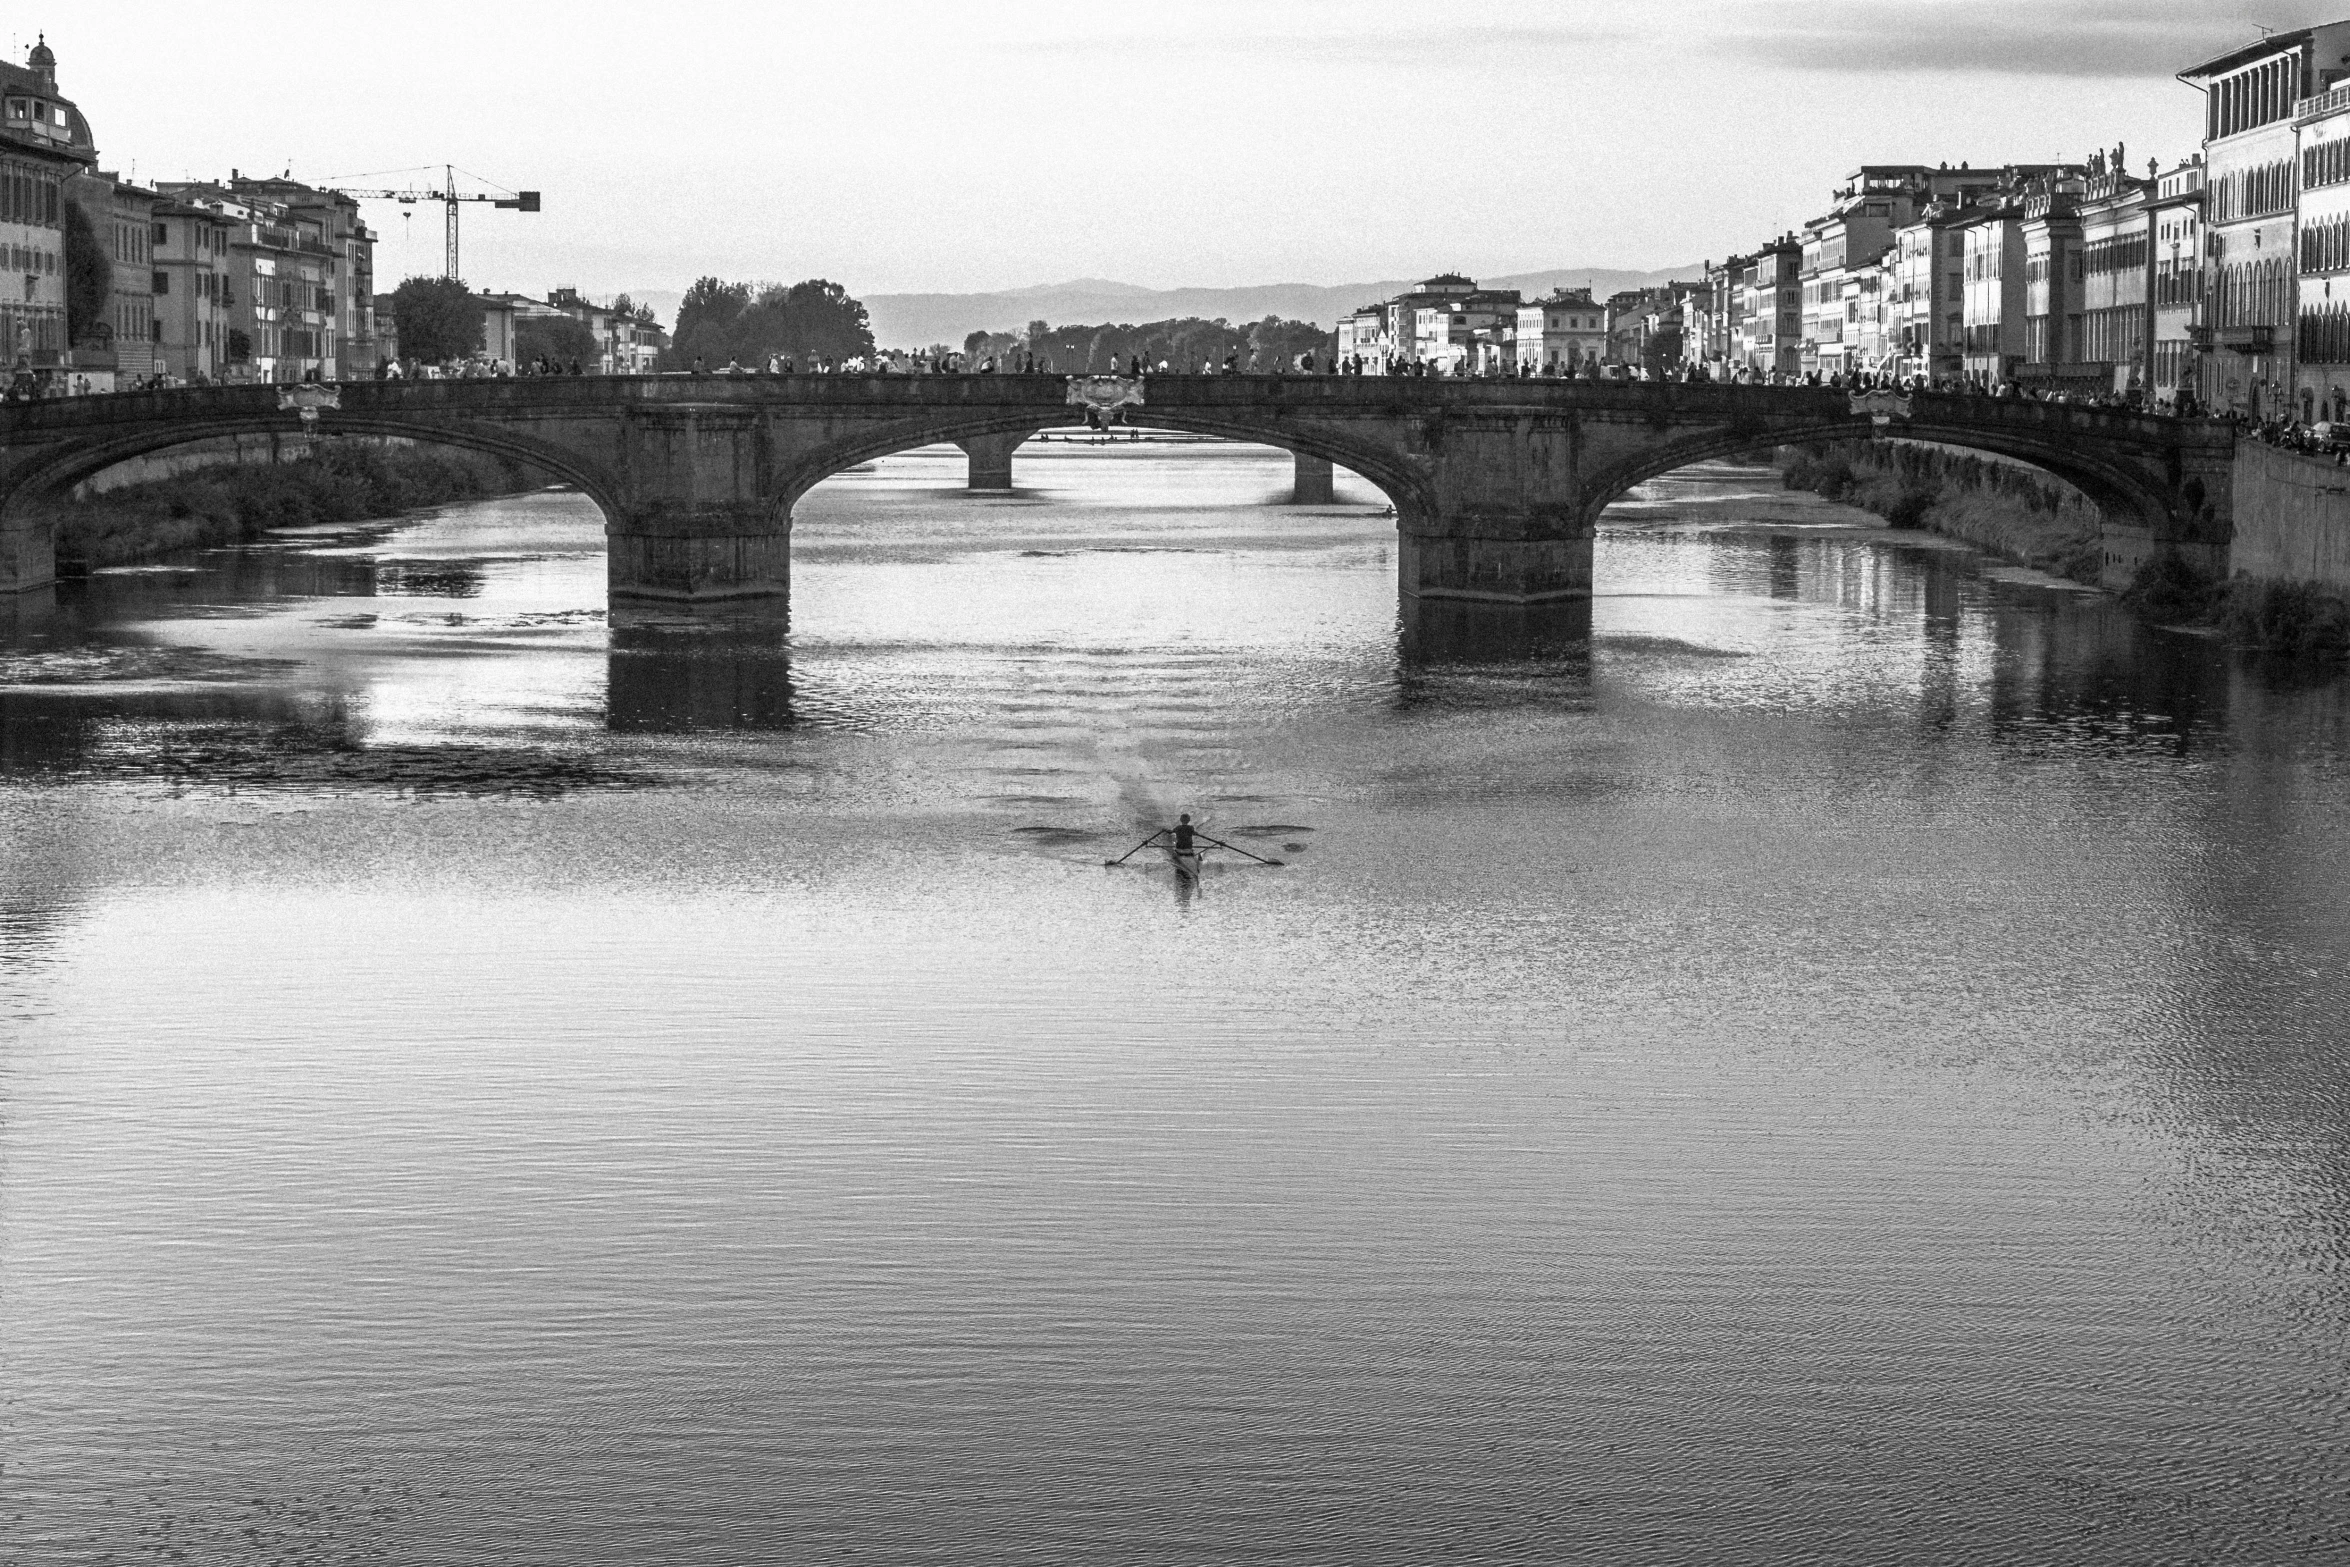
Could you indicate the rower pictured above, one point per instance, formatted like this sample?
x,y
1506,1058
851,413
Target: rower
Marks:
x,y
1183,833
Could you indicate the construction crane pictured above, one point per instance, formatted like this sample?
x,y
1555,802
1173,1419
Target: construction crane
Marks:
x,y
451,197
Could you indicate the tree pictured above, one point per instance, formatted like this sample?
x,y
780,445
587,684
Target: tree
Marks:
x,y
559,338
438,319
642,315
719,322
89,276
821,318
1183,345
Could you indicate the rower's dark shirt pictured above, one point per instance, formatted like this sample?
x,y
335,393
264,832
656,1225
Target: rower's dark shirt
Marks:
x,y
1182,838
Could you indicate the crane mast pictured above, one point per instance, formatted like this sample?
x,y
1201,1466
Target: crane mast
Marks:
x,y
451,198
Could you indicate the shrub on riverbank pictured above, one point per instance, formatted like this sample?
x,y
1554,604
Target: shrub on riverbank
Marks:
x,y
342,482
2295,619
2168,590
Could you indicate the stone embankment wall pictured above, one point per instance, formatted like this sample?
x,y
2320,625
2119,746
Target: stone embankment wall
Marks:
x,y
225,451
2292,518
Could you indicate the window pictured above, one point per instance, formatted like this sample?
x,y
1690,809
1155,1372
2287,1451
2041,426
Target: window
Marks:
x,y
162,283
162,235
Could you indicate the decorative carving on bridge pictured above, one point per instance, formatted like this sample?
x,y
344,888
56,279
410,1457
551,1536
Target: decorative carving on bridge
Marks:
x,y
308,398
1881,406
1104,393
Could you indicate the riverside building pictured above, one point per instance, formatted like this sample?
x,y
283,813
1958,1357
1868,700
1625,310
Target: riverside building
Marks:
x,y
280,284
1927,311
44,142
1875,202
2175,226
122,348
2251,155
1771,314
2052,281
327,225
1992,235
192,294
2322,219
1566,331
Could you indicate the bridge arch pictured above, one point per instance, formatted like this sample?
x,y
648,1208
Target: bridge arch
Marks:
x,y
2122,494
49,477
1394,477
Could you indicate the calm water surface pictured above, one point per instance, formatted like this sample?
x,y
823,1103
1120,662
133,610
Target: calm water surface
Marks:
x,y
1845,1062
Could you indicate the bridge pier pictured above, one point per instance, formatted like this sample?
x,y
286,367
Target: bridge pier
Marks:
x,y
1499,571
28,555
1317,481
991,459
704,556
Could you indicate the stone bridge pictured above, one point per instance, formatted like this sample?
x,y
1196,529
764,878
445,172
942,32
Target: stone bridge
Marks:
x,y
1498,485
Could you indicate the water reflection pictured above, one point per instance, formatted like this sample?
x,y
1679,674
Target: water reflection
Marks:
x,y
675,671
1434,631
1820,1038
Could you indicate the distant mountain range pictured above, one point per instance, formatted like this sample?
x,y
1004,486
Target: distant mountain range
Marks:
x,y
916,320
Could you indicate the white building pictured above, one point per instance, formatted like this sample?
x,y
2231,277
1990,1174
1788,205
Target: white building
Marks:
x,y
2251,155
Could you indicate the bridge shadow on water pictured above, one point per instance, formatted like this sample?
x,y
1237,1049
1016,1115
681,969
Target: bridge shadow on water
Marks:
x,y
98,678
671,672
1436,631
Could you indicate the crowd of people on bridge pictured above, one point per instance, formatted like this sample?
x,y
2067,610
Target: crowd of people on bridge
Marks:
x,y
30,384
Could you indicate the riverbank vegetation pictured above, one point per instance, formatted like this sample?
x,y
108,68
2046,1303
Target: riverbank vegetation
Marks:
x,y
2010,511
2294,619
340,482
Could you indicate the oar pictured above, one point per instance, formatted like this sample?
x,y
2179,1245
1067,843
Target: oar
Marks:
x,y
1236,849
1138,848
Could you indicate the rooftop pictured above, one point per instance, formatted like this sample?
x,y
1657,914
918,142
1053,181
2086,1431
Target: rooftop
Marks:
x,y
2255,50
36,119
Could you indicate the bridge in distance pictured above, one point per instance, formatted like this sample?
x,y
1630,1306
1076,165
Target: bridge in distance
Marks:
x,y
1498,485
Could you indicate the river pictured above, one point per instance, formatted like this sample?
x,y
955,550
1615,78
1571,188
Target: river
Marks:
x,y
1839,1059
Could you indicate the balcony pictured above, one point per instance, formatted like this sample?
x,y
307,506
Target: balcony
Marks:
x,y
2248,339
2332,102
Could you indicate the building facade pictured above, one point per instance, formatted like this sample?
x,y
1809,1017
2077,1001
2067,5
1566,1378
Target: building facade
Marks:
x,y
2251,156
2322,221
328,224
2175,223
1771,316
279,284
2052,280
192,290
1566,331
123,216
2116,338
1993,237
44,143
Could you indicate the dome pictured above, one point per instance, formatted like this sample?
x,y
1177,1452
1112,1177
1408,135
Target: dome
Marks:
x,y
43,62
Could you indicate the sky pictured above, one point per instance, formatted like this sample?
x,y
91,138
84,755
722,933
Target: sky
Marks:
x,y
968,145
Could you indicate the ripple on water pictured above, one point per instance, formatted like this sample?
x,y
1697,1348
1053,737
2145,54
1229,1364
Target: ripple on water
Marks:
x,y
1842,1065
